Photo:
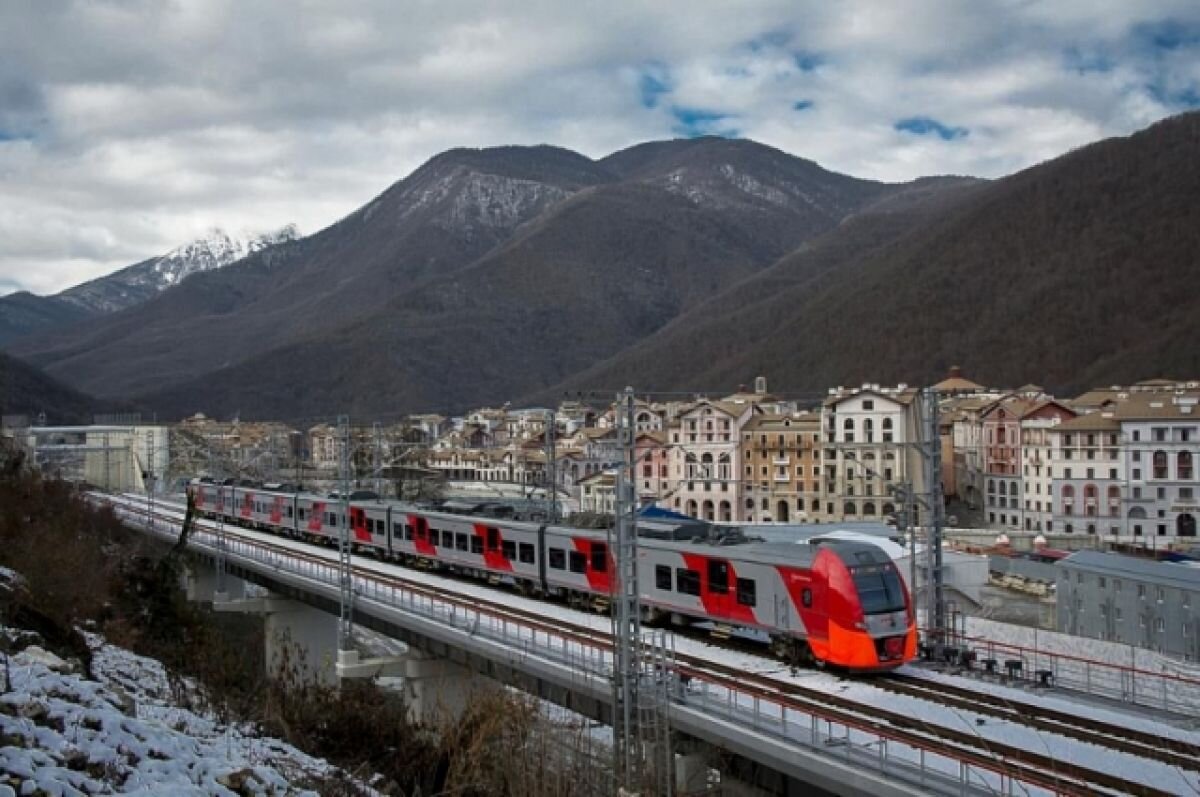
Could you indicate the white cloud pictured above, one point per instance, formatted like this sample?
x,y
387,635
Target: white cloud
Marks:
x,y
128,127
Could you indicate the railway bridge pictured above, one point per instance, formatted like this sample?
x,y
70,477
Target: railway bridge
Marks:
x,y
772,737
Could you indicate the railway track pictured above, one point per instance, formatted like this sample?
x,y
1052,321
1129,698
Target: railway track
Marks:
x,y
1129,740
1008,761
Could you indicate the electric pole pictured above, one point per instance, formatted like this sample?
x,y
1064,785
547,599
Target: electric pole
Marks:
x,y
346,602
377,458
932,455
550,471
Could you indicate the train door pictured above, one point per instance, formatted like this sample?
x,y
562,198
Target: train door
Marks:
x,y
718,595
358,525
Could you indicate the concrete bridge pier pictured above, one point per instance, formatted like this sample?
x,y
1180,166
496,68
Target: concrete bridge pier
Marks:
x,y
301,642
435,689
200,585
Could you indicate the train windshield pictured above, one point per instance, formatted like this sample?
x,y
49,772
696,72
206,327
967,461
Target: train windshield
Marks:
x,y
878,588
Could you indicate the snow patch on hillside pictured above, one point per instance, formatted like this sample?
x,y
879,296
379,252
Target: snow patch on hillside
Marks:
x,y
62,734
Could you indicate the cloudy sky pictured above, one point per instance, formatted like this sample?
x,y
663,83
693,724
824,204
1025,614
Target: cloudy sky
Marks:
x,y
130,127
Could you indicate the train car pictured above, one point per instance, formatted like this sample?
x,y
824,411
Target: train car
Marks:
x,y
369,527
579,566
495,549
842,603
317,518
207,497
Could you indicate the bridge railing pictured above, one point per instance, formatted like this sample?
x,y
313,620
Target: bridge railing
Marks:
x,y
1167,691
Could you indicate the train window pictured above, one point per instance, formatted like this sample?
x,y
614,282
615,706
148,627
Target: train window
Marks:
x,y
806,598
447,539
408,531
526,553
300,514
493,539
289,509
879,589
509,548
476,543
718,576
687,581
578,562
599,557
747,592
558,558
332,519
461,542
662,577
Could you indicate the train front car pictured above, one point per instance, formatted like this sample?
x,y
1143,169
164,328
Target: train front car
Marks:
x,y
870,622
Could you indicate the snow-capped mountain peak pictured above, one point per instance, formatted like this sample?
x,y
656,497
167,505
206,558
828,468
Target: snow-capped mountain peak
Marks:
x,y
142,281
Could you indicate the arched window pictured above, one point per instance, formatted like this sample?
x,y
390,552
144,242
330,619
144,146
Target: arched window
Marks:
x,y
1160,464
690,511
869,430
848,508
726,511
869,509
848,430
750,503
1185,525
991,486
1068,499
708,511
889,509
781,511
1003,488
1137,513
1183,465
816,505
887,430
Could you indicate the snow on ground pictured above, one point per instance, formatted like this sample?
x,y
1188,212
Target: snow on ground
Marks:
x,y
985,726
61,734
1115,653
1062,702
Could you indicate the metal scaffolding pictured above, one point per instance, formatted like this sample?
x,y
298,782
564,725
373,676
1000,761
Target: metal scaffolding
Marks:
x,y
643,670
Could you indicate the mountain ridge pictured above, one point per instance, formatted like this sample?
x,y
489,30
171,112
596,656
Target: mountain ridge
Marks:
x,y
495,274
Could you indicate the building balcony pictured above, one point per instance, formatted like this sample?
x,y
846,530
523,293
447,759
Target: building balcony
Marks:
x,y
781,461
779,478
1145,499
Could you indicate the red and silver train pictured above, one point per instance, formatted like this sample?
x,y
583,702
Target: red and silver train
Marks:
x,y
840,603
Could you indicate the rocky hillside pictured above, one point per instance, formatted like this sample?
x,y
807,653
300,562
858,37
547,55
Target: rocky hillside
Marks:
x,y
26,391
1073,273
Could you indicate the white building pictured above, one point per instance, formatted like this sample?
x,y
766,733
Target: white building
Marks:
x,y
1161,435
705,460
869,448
